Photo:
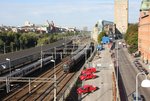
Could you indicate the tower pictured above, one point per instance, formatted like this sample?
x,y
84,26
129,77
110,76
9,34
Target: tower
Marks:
x,y
121,15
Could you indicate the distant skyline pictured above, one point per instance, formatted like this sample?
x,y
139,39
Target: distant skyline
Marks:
x,y
66,13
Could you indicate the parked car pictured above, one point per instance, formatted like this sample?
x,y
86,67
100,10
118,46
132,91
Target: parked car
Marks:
x,y
140,97
137,63
145,71
140,67
87,76
86,89
91,69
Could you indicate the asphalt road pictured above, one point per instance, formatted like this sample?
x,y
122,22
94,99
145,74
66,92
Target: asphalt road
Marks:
x,y
128,73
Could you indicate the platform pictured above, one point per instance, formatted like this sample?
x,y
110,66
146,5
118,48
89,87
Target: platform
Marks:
x,y
102,61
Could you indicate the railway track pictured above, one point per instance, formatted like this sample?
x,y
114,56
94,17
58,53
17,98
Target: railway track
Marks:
x,y
42,91
26,57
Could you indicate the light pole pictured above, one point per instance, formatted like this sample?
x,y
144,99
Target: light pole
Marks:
x,y
7,59
7,79
64,47
12,47
85,55
117,65
145,83
41,56
20,42
118,58
4,48
55,52
55,83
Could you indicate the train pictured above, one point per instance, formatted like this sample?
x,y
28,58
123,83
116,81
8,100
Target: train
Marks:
x,y
29,68
70,65
25,60
78,50
26,70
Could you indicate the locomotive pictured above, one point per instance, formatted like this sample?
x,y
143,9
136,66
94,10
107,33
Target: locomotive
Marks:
x,y
69,66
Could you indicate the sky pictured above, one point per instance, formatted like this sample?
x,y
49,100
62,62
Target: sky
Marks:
x,y
65,13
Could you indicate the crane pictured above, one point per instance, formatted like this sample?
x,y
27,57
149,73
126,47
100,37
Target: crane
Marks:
x,y
51,26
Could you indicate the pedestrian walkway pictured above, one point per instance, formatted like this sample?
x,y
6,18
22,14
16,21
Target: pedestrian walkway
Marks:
x,y
104,82
131,58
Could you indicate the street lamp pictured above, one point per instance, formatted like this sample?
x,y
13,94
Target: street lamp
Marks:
x,y
4,48
55,52
117,65
145,83
55,84
64,48
85,55
7,79
41,56
117,59
12,47
7,59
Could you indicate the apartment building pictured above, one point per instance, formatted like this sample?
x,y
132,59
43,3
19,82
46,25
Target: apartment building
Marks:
x,y
144,31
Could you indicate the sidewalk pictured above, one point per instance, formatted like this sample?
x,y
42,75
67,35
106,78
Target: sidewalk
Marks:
x,y
104,82
146,66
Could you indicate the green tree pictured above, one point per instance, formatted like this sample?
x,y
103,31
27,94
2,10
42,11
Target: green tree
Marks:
x,y
99,39
131,37
43,41
1,43
28,40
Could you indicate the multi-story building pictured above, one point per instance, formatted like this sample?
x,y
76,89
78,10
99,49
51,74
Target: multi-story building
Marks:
x,y
95,32
144,31
102,25
27,23
121,15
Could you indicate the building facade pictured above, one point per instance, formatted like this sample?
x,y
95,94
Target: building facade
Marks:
x,y
121,15
144,31
95,33
102,25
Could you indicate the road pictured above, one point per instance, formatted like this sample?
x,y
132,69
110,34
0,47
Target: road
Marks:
x,y
128,73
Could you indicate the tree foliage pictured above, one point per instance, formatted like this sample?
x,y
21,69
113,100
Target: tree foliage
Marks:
x,y
16,41
1,42
99,39
131,37
28,40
